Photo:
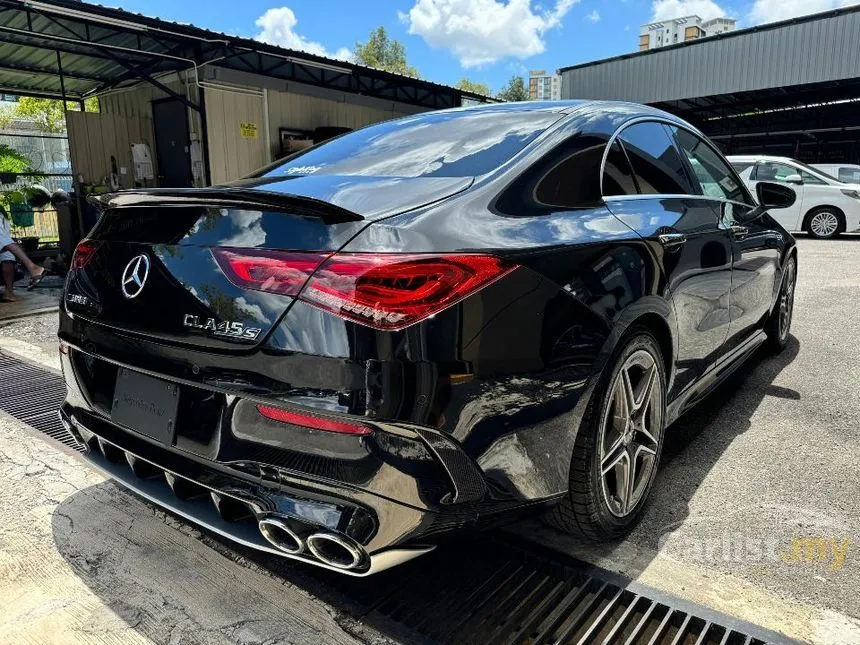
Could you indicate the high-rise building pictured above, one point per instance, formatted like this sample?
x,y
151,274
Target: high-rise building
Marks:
x,y
543,86
678,30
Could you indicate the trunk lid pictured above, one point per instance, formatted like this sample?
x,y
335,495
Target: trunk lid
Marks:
x,y
149,268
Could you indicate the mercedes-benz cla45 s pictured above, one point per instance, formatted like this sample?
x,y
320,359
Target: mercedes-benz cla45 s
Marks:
x,y
433,323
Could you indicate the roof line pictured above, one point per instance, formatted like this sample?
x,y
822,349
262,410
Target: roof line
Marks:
x,y
832,13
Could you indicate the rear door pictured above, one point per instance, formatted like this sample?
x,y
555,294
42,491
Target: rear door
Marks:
x,y
682,228
755,244
790,218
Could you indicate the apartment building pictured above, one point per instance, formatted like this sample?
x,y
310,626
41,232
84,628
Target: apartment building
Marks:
x,y
678,30
543,86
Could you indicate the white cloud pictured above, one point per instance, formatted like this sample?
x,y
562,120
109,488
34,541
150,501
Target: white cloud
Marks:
x,y
668,9
594,16
277,29
478,32
773,10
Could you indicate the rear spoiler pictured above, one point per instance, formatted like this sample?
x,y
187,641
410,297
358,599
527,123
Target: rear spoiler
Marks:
x,y
226,197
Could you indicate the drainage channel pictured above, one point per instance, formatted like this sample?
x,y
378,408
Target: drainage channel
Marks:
x,y
490,588
33,395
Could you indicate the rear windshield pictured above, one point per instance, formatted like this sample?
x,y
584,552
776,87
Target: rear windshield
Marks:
x,y
442,144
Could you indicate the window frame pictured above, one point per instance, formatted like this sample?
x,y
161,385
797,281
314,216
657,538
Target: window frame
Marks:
x,y
667,122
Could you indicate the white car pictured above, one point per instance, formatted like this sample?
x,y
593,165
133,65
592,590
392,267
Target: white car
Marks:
x,y
825,206
845,172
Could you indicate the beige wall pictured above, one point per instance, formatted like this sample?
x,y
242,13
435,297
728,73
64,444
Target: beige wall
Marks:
x,y
302,112
232,155
96,136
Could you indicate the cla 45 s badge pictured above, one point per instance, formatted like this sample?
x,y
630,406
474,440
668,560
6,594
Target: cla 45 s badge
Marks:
x,y
224,328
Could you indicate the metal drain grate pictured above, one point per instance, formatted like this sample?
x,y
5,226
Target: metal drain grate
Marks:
x,y
33,395
499,589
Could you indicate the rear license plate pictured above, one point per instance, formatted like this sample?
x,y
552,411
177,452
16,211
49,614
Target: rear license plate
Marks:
x,y
146,405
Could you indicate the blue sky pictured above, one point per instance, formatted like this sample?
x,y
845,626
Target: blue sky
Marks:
x,y
485,40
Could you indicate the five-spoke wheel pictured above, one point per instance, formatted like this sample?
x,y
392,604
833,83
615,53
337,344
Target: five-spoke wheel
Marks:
x,y
618,445
630,431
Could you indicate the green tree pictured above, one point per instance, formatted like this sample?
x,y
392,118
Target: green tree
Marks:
x,y
48,114
384,53
13,161
471,86
515,90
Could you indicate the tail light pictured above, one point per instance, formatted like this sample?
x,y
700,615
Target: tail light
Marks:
x,y
387,291
84,252
310,421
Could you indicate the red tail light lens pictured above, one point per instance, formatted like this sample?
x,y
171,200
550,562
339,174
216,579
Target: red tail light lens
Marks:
x,y
394,291
273,271
387,291
310,421
84,252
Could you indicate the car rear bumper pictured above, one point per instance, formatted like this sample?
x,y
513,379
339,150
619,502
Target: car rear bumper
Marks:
x,y
379,514
233,507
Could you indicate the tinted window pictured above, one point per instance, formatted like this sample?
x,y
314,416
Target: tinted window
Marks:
x,y
440,144
569,176
656,161
713,174
772,171
617,174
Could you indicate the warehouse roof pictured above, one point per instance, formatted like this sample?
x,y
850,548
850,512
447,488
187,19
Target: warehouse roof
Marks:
x,y
52,48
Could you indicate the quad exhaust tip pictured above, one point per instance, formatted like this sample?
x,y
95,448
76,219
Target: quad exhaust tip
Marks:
x,y
281,536
334,550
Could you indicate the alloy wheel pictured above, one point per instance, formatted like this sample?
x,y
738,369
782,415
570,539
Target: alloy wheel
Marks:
x,y
786,300
630,433
824,224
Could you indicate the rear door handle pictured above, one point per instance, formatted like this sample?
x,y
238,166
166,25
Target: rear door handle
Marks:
x,y
739,231
672,241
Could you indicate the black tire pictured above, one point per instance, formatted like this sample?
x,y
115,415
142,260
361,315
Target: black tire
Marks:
x,y
585,510
834,218
778,324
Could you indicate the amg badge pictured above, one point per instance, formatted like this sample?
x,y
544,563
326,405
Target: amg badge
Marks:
x,y
223,328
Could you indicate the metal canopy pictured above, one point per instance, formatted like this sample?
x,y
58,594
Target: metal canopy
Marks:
x,y
65,48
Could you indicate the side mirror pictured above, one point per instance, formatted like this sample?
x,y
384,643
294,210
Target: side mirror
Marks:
x,y
773,195
770,195
794,179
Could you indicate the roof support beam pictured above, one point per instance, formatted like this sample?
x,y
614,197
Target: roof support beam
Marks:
x,y
24,69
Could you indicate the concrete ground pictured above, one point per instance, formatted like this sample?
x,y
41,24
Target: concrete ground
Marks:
x,y
755,512
756,509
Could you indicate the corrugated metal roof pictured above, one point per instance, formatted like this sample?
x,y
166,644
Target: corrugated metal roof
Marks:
x,y
102,48
813,49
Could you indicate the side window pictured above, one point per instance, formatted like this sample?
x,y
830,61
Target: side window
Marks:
x,y
809,178
772,171
714,175
849,175
568,176
617,173
657,164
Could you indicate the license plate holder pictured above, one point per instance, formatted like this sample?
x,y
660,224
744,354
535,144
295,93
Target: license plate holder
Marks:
x,y
146,405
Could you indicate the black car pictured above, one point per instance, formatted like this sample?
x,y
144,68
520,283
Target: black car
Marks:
x,y
432,323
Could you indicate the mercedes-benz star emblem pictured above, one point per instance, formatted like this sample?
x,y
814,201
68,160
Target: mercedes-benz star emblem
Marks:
x,y
135,275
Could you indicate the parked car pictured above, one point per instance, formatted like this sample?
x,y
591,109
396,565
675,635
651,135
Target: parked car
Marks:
x,y
848,173
437,322
825,206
